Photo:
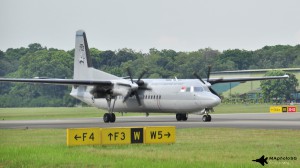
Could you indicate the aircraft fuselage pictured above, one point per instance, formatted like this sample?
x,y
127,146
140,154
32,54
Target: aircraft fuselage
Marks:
x,y
166,95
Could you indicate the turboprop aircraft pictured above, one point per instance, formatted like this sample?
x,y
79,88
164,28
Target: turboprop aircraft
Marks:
x,y
117,94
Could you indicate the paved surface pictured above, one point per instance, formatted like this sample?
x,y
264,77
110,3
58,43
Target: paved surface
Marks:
x,y
261,121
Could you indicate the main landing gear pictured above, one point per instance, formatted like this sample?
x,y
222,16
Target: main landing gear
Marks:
x,y
181,116
110,116
184,116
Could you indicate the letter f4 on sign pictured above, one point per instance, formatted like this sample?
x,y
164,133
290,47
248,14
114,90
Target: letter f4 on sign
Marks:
x,y
83,136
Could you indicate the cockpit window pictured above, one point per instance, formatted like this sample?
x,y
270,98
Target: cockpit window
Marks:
x,y
192,89
198,89
188,89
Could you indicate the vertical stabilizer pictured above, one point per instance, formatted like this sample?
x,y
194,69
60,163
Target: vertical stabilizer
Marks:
x,y
82,60
83,68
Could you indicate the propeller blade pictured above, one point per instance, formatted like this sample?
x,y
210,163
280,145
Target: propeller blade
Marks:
x,y
208,72
145,88
127,96
216,81
143,73
138,98
198,77
214,92
130,74
134,91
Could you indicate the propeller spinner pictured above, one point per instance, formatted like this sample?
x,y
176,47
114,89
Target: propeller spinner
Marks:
x,y
133,91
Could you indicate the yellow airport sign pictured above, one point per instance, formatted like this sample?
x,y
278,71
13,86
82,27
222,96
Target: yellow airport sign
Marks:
x,y
283,109
137,135
113,136
160,134
83,136
275,109
124,135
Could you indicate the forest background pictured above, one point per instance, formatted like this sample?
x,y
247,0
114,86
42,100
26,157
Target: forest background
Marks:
x,y
38,61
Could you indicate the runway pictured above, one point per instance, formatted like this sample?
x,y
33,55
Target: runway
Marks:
x,y
259,121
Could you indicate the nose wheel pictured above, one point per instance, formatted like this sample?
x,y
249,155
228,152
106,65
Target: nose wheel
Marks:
x,y
206,118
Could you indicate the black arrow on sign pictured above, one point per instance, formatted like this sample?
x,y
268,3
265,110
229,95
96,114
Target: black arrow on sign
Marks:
x,y
110,135
76,137
168,134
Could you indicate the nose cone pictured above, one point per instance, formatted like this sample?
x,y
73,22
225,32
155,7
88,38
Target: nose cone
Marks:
x,y
213,101
208,100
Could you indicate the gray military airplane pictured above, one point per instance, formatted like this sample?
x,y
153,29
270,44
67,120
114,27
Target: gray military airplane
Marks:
x,y
107,91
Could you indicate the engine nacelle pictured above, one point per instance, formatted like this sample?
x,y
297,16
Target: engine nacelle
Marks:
x,y
119,90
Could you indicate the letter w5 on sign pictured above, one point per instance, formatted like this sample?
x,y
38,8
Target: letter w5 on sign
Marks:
x,y
156,135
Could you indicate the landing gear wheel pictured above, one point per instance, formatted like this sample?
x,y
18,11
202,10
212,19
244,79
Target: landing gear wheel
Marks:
x,y
109,117
181,116
113,117
178,117
106,117
206,118
184,117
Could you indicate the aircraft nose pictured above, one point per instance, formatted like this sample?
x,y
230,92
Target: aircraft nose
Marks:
x,y
214,100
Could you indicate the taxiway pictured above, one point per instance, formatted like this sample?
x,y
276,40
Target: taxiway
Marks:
x,y
255,120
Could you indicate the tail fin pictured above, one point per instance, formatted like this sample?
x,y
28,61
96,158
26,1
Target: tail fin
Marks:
x,y
83,68
82,60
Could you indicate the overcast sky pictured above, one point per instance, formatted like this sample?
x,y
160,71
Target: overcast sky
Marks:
x,y
181,25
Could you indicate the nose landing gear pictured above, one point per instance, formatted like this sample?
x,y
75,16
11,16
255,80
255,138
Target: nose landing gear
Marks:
x,y
206,117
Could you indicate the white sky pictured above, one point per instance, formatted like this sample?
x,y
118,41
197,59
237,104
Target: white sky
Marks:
x,y
181,25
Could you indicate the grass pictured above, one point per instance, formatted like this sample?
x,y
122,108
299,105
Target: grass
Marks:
x,y
85,112
194,147
242,108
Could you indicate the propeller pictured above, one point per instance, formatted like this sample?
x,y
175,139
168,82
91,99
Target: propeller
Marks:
x,y
134,91
208,84
208,72
198,77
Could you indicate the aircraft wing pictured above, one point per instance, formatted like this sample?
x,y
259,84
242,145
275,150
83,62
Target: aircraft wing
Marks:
x,y
59,81
244,79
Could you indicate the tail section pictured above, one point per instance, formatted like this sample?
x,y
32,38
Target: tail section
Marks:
x,y
82,60
83,68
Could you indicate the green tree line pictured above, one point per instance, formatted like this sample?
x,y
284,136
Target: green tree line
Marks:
x,y
38,61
